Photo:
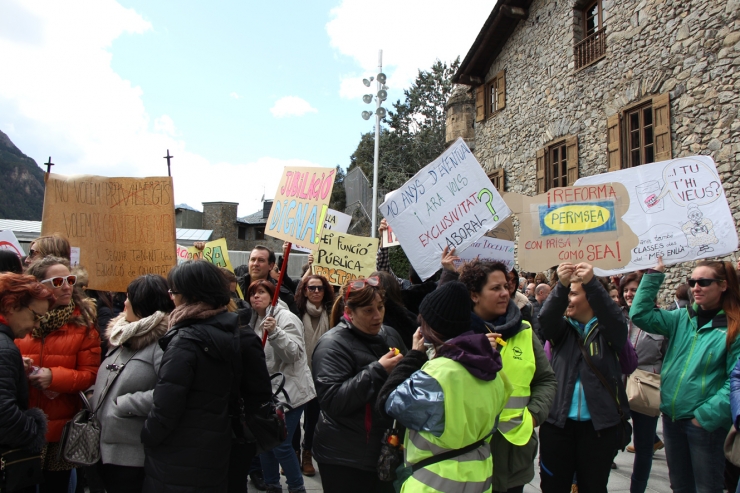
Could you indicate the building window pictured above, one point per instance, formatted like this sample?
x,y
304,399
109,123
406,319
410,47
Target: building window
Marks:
x,y
640,133
259,233
557,164
497,178
241,232
491,97
591,43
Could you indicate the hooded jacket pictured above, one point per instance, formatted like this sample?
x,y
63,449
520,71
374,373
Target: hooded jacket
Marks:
x,y
604,337
72,353
515,465
695,378
129,398
187,434
348,378
20,427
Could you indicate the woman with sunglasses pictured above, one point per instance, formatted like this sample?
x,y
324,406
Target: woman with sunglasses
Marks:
x,y
281,333
23,303
703,349
54,245
351,363
314,299
66,349
133,339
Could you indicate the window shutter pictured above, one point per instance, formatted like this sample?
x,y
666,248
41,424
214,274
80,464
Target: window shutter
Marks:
x,y
497,178
571,153
662,122
541,171
480,103
614,154
501,103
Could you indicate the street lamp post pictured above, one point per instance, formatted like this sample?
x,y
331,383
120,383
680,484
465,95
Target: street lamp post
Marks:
x,y
380,96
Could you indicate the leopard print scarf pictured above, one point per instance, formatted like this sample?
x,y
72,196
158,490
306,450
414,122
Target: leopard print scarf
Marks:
x,y
53,320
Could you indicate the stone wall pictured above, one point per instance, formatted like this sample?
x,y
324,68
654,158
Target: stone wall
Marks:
x,y
221,218
688,48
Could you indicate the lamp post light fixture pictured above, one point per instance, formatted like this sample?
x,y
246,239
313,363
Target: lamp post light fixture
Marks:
x,y
380,96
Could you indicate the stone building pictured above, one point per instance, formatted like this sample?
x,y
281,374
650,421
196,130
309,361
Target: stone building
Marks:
x,y
558,89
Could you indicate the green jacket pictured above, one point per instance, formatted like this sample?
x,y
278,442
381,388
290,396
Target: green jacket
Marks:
x,y
695,378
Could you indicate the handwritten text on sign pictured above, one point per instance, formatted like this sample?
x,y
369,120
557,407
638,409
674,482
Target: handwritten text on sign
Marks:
x,y
125,227
696,223
300,205
575,224
343,257
489,250
450,202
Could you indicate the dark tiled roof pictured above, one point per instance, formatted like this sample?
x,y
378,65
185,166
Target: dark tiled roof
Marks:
x,y
255,218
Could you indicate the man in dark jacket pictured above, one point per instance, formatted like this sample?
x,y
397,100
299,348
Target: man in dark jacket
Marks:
x,y
187,435
261,266
585,428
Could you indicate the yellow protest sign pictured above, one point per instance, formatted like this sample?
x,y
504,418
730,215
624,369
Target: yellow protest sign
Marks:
x,y
124,227
342,257
300,205
215,252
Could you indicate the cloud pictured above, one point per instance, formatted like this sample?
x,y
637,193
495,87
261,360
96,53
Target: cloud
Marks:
x,y
418,33
291,106
235,95
65,100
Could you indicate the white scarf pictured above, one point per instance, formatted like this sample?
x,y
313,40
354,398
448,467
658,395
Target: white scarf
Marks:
x,y
312,335
122,330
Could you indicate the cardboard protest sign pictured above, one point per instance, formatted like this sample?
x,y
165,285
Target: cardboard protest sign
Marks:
x,y
8,241
300,205
124,227
182,254
335,221
342,257
574,224
678,209
450,202
489,250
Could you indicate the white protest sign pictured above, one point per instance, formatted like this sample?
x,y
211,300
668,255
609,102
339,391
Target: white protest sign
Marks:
x,y
74,256
678,209
8,241
450,202
335,221
389,238
489,250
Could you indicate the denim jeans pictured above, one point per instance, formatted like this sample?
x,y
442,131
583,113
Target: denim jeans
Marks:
x,y
695,457
643,439
284,455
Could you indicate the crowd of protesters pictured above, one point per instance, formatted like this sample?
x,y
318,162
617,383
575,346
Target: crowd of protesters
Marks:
x,y
454,384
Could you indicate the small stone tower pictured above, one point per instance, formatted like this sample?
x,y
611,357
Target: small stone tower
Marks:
x,y
460,109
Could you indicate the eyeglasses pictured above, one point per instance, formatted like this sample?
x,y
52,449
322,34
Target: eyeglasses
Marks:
x,y
36,316
32,253
59,281
173,293
702,282
315,288
360,283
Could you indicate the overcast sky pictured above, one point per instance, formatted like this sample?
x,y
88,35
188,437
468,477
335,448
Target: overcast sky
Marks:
x,y
236,90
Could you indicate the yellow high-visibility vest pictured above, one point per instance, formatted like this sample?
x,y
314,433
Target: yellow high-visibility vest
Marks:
x,y
517,357
471,407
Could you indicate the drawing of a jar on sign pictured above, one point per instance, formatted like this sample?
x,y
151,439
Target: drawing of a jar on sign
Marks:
x,y
648,196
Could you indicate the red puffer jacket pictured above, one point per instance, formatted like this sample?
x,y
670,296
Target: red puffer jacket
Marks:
x,y
72,352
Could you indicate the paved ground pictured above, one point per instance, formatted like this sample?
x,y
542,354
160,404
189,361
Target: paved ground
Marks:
x,y
619,480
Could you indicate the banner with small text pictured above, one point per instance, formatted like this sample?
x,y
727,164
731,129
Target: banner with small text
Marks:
x,y
124,227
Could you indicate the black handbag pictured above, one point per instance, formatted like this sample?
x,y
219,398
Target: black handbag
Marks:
x,y
626,435
266,429
19,469
391,453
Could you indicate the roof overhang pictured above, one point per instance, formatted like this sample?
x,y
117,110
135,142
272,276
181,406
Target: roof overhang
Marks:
x,y
491,39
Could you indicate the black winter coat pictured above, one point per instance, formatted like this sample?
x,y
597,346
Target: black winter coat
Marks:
x,y
603,343
187,435
348,379
401,319
20,427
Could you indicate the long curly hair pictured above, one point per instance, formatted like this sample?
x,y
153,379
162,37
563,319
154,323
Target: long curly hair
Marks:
x,y
88,312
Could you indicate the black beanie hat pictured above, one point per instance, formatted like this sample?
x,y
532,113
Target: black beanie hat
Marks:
x,y
447,310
